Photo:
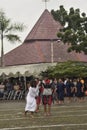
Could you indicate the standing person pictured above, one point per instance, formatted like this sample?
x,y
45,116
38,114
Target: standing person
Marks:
x,y
54,93
69,89
31,104
83,87
79,90
47,96
60,91
74,89
39,96
2,87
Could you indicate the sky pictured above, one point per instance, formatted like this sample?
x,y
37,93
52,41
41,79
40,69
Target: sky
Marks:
x,y
29,11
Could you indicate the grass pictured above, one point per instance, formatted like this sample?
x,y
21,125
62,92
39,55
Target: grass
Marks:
x,y
70,116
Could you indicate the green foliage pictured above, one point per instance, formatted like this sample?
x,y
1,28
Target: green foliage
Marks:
x,y
75,28
60,15
67,69
8,29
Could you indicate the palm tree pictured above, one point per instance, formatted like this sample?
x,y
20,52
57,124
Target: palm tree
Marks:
x,y
8,31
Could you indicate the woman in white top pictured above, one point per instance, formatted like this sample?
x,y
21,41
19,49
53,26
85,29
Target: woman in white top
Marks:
x,y
31,104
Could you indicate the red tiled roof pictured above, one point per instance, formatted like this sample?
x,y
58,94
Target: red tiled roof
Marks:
x,y
45,28
40,52
37,45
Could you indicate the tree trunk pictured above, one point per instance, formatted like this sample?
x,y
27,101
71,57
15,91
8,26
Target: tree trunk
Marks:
x,y
2,51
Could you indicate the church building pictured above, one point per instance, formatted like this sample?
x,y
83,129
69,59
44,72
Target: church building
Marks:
x,y
40,49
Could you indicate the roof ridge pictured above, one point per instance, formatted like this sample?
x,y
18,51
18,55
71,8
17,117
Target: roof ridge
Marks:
x,y
38,22
45,28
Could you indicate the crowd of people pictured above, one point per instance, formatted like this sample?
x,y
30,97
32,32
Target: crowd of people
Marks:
x,y
48,91
11,90
44,91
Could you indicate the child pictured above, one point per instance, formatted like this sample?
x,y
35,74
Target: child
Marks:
x,y
31,104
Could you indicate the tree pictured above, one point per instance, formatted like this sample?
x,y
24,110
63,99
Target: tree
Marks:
x,y
67,69
74,30
6,31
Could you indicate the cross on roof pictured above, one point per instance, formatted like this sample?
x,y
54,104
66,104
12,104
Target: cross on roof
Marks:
x,y
45,3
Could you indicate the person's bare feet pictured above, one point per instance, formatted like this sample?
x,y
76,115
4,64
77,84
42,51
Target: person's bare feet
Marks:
x,y
31,115
48,114
25,113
